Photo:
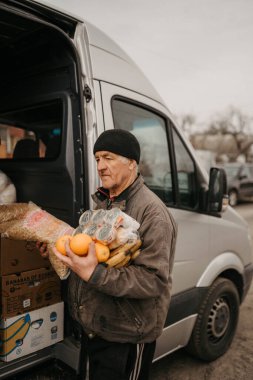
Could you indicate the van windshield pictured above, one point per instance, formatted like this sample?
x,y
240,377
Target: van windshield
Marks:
x,y
32,132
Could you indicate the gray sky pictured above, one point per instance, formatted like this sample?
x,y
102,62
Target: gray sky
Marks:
x,y
197,53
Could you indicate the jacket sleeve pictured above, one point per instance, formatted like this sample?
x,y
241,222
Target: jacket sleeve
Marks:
x,y
150,273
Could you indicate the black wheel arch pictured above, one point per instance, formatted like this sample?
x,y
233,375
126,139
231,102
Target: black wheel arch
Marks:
x,y
235,277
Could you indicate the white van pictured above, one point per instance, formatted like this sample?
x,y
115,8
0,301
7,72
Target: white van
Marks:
x,y
63,82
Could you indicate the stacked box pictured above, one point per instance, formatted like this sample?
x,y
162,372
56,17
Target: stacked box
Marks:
x,y
30,332
19,256
30,300
29,290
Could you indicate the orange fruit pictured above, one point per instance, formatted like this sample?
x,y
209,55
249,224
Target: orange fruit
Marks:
x,y
79,244
60,243
102,252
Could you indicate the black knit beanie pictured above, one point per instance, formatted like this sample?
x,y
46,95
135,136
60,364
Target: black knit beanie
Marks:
x,y
120,142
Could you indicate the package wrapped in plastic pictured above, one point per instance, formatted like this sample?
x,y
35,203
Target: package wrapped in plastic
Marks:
x,y
115,229
7,189
27,221
110,227
60,268
9,213
123,235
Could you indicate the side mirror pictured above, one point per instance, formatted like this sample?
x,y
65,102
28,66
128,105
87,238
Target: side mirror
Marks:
x,y
217,199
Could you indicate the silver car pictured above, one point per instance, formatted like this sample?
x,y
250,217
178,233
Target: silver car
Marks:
x,y
240,182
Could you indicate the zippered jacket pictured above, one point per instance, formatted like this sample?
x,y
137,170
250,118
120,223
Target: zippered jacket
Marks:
x,y
130,304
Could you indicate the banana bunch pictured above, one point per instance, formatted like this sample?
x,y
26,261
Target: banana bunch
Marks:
x,y
123,255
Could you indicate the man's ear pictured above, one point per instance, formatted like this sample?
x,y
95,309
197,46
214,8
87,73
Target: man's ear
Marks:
x,y
132,164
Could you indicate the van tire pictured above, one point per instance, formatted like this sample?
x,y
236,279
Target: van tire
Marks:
x,y
216,323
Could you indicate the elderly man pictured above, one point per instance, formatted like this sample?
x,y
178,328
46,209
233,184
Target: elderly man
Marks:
x,y
122,311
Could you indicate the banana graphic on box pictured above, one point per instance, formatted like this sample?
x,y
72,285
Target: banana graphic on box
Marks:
x,y
13,335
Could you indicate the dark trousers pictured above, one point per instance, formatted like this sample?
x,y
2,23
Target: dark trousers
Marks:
x,y
118,361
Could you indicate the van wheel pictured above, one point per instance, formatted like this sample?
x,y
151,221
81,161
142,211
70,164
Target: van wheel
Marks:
x,y
233,198
216,322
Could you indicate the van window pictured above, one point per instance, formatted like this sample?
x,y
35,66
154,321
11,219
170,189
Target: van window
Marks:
x,y
32,132
155,163
150,130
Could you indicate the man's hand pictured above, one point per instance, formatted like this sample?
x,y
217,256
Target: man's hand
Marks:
x,y
42,247
83,266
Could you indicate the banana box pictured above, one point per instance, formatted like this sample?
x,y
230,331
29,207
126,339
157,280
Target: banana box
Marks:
x,y
20,256
30,332
28,291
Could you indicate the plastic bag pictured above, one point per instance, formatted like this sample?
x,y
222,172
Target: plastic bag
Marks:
x,y
27,221
7,189
123,235
110,227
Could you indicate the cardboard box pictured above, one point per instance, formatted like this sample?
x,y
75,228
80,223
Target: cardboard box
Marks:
x,y
30,332
19,256
29,290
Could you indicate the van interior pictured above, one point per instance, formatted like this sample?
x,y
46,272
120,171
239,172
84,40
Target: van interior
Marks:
x,y
40,121
40,115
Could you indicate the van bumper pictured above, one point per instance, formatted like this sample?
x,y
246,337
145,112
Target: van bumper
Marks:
x,y
247,279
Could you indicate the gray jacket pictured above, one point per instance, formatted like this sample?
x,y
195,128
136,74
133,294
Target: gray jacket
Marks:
x,y
130,304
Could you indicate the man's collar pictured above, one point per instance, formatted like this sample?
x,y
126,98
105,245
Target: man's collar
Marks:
x,y
103,199
102,196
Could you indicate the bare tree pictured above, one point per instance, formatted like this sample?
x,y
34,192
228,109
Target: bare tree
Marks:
x,y
228,133
232,121
186,122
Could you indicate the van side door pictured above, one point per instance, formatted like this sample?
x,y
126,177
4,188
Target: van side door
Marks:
x,y
169,170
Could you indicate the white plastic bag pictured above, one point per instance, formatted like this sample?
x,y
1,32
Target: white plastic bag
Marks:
x,y
110,227
7,189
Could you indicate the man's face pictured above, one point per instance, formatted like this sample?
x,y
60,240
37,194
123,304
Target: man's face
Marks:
x,y
114,171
